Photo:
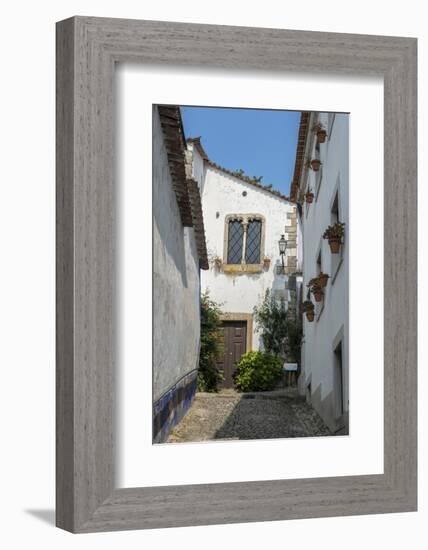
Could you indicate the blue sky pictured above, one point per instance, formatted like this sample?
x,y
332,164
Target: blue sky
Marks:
x,y
261,142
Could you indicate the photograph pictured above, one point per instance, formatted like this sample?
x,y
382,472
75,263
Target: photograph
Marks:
x,y
202,348
250,273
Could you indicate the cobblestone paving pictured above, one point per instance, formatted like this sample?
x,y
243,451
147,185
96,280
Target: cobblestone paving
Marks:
x,y
263,415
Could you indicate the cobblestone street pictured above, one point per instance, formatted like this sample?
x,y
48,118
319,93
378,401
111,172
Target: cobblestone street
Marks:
x,y
262,415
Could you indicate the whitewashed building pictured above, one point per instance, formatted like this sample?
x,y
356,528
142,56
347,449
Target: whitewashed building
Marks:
x,y
179,252
324,374
244,222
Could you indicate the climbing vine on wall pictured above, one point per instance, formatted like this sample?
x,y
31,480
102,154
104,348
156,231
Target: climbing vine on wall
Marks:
x,y
212,347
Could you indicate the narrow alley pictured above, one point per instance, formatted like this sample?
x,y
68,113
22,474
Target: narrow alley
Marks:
x,y
230,415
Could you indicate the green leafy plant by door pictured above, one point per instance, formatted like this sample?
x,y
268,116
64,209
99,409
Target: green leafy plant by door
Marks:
x,y
209,376
258,371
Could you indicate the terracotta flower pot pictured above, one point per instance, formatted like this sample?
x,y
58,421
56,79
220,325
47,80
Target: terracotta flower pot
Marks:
x,y
315,164
334,245
321,136
309,197
318,295
323,279
310,315
266,263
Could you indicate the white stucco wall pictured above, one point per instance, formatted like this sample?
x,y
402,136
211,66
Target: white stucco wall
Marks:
x,y
198,166
299,241
176,320
319,336
223,195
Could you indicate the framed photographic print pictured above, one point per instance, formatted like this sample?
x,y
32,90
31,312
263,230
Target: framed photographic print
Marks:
x,y
236,274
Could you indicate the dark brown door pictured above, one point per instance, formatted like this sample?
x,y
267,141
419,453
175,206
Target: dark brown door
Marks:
x,y
235,343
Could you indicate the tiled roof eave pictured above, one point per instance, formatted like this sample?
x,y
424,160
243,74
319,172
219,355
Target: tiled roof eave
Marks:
x,y
300,155
250,181
186,191
198,222
170,119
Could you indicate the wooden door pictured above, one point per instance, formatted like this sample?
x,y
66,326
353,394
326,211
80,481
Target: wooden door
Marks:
x,y
235,345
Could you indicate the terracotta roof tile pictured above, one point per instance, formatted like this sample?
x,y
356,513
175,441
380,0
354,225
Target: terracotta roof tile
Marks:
x,y
300,154
197,144
186,190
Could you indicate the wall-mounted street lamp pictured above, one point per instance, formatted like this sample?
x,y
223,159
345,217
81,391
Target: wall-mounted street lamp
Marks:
x,y
282,243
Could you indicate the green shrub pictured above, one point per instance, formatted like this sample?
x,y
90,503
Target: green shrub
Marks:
x,y
212,346
258,371
280,334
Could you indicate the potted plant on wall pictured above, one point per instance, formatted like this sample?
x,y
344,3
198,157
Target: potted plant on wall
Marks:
x,y
334,234
308,308
316,289
323,279
309,196
321,133
217,262
266,262
315,164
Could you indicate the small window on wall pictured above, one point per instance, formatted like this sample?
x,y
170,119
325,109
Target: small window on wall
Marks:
x,y
253,243
319,263
335,216
331,117
235,242
318,179
317,150
244,239
319,306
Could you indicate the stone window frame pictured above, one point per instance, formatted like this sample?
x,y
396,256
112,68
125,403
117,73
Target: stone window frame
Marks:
x,y
243,267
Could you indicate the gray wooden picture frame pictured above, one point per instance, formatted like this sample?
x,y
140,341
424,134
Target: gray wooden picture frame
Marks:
x,y
87,50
